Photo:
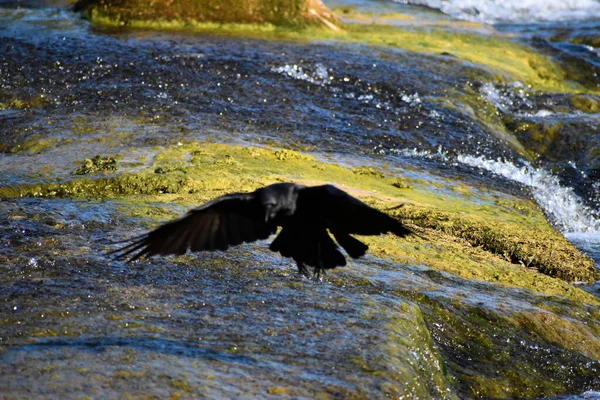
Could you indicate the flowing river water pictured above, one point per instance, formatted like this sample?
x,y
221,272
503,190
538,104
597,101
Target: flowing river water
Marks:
x,y
90,90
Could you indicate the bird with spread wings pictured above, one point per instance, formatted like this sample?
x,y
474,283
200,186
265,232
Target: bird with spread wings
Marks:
x,y
305,214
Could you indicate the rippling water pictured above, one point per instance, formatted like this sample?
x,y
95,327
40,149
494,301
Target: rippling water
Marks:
x,y
514,10
354,99
565,182
382,106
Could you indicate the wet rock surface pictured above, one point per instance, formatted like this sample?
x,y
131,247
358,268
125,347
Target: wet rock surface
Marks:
x,y
243,323
471,307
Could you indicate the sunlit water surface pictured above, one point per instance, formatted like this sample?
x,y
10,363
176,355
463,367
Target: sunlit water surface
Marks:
x,y
103,92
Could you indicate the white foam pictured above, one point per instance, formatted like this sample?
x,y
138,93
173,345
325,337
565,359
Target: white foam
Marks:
x,y
411,99
426,154
505,98
543,114
319,76
491,11
569,213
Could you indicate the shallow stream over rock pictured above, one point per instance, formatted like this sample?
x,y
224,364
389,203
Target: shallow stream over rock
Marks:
x,y
402,322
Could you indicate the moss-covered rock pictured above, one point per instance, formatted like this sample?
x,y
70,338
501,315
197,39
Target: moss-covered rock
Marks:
x,y
495,353
586,103
505,59
195,172
96,164
276,12
469,307
34,144
530,245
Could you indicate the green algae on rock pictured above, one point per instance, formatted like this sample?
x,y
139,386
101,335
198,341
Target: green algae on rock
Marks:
x,y
276,12
436,316
38,101
586,103
96,164
196,172
34,144
498,353
528,243
501,58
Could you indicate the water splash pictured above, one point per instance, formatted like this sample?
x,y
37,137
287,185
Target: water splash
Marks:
x,y
514,10
506,98
439,155
411,99
567,210
319,76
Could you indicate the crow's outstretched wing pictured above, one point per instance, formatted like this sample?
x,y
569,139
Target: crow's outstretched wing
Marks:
x,y
344,214
226,221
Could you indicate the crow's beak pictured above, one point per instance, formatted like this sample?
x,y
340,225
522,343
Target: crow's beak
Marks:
x,y
268,210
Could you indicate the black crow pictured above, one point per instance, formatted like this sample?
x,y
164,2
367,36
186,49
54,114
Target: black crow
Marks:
x,y
305,213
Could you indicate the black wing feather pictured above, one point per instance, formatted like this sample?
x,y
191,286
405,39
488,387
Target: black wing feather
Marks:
x,y
226,221
235,225
204,227
345,213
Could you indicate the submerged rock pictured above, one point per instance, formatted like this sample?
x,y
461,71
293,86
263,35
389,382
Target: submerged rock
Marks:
x,y
469,308
512,229
478,304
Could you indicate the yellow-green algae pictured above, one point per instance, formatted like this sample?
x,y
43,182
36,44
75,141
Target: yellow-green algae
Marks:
x,y
406,336
515,366
38,101
370,17
540,138
494,243
586,103
278,12
96,164
471,103
505,59
34,145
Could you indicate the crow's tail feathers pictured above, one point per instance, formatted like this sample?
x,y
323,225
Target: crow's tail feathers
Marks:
x,y
311,247
354,247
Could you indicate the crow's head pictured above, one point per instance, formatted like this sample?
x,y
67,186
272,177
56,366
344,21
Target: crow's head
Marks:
x,y
279,200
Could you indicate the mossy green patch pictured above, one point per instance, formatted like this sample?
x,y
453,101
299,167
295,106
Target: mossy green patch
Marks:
x,y
295,13
182,384
128,374
353,14
464,236
368,171
505,60
586,103
521,239
401,184
45,333
33,102
96,164
539,138
511,354
280,391
34,145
